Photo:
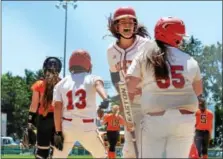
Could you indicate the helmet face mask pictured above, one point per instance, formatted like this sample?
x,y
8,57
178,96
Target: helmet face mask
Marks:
x,y
126,27
123,23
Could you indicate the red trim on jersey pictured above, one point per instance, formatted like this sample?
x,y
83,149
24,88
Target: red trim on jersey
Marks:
x,y
84,120
88,120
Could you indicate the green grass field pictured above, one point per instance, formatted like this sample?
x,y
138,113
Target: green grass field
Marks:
x,y
212,154
31,156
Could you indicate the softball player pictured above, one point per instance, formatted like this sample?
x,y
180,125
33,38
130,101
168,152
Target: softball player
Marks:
x,y
113,121
131,37
74,99
204,126
171,82
41,106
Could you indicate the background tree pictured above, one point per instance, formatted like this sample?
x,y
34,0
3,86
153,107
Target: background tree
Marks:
x,y
15,99
210,62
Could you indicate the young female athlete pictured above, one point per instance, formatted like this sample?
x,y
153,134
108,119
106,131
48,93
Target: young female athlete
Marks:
x,y
171,82
74,99
113,121
42,109
204,128
130,39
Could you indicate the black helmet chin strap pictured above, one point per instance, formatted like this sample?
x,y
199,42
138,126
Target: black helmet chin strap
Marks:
x,y
126,37
133,35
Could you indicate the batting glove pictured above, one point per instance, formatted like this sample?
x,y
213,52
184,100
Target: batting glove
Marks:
x,y
104,104
31,132
59,140
31,119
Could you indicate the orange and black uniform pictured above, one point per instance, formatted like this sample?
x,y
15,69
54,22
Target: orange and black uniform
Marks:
x,y
45,124
203,131
193,151
113,127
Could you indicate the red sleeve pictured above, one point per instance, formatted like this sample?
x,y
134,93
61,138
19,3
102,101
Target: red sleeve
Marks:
x,y
105,120
37,86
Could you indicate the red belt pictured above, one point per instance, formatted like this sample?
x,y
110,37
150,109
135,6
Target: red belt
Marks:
x,y
84,120
182,111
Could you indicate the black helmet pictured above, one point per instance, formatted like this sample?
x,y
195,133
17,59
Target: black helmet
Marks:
x,y
52,63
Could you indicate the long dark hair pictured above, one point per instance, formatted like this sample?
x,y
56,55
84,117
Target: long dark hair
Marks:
x,y
159,61
141,30
48,92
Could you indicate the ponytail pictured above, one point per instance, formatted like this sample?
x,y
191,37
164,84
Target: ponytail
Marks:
x,y
48,92
159,61
142,31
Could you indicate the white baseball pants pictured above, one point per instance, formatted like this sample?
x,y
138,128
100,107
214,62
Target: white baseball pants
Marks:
x,y
90,139
172,134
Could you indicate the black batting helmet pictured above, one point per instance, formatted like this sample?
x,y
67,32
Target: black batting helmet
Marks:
x,y
52,63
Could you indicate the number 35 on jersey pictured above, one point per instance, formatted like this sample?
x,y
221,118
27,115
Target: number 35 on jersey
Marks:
x,y
177,81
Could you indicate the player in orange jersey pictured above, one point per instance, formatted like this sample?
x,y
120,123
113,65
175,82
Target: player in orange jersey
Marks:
x,y
41,109
204,120
113,121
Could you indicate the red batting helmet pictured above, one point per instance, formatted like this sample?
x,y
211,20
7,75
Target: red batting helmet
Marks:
x,y
124,12
80,58
170,30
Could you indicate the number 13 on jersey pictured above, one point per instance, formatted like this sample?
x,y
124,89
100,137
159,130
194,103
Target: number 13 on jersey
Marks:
x,y
81,95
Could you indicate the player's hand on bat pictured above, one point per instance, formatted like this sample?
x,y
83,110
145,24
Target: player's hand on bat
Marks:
x,y
131,96
59,140
138,91
132,83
